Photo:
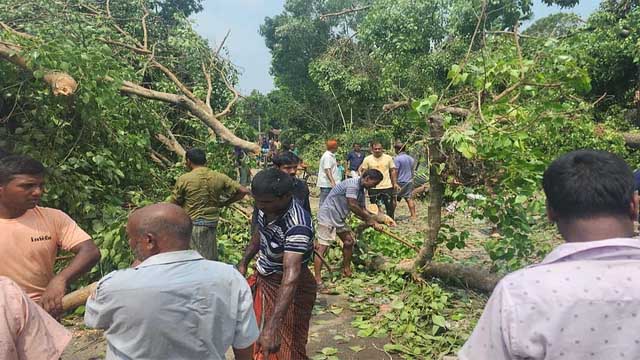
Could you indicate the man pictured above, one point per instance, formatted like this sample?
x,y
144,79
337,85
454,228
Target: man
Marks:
x,y
383,194
582,301
202,192
288,162
27,332
354,160
241,160
406,166
174,304
284,288
328,170
32,235
347,197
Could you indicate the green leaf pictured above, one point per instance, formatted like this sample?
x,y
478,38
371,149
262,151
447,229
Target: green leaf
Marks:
x,y
329,351
439,320
356,348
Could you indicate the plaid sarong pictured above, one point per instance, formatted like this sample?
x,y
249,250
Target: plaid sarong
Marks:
x,y
295,327
203,238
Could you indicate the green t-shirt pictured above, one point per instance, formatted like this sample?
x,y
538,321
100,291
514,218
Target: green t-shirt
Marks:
x,y
202,192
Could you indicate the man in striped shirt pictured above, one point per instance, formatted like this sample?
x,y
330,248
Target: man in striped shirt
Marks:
x,y
348,196
284,246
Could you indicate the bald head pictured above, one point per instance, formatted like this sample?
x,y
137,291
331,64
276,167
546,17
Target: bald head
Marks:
x,y
166,225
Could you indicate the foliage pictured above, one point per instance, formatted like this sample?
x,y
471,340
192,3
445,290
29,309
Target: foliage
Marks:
x,y
97,143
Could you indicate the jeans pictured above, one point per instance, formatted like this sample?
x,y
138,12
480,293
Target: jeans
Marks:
x,y
324,192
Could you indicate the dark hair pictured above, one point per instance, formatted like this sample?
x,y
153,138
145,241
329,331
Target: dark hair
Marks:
x,y
587,183
373,174
286,158
13,165
376,142
399,147
272,181
196,156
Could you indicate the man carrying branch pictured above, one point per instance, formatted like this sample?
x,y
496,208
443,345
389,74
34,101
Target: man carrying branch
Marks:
x,y
284,290
348,196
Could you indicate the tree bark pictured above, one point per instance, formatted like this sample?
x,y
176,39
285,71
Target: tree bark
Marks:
x,y
79,297
471,277
632,140
60,83
436,192
172,144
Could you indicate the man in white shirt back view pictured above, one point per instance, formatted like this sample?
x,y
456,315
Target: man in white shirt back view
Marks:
x,y
328,170
175,304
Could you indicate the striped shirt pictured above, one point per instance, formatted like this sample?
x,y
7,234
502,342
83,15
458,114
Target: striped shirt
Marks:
x,y
291,232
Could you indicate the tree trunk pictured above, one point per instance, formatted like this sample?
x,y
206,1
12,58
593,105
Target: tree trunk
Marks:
x,y
471,277
436,192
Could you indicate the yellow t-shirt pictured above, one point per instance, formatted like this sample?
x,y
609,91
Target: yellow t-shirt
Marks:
x,y
29,245
384,164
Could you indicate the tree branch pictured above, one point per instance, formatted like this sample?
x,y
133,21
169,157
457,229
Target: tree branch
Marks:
x,y
207,76
171,143
59,82
236,95
324,17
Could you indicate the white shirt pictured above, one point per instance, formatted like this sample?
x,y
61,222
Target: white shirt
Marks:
x,y
581,302
327,161
175,305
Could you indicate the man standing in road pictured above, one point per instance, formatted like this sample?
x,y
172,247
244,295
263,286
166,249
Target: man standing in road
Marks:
x,y
284,290
32,236
384,193
406,166
347,197
354,160
328,170
202,192
174,304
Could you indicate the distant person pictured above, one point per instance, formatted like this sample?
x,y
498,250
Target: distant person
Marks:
x,y
582,301
348,197
354,160
406,166
288,162
293,149
202,192
32,236
27,332
264,145
284,292
328,170
384,193
240,158
175,304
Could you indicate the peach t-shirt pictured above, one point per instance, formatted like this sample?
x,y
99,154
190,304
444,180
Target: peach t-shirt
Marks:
x,y
29,245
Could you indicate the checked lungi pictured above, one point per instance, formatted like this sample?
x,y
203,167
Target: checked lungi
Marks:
x,y
295,327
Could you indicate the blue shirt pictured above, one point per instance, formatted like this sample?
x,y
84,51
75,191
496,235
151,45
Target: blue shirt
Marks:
x,y
405,165
355,160
291,232
174,305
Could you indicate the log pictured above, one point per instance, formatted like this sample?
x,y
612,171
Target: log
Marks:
x,y
471,277
79,297
632,140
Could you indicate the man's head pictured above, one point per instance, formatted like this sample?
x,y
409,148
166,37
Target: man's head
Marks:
x,y
588,185
158,228
371,178
195,157
287,162
399,147
332,145
356,147
21,182
376,149
272,190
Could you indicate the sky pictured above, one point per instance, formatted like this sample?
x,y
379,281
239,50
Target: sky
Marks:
x,y
247,49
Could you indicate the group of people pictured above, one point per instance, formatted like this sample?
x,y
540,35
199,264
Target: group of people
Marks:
x,y
177,302
398,174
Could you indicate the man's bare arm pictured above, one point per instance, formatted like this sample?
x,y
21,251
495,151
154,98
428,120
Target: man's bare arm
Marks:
x,y
237,196
87,255
243,354
330,176
394,177
250,252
